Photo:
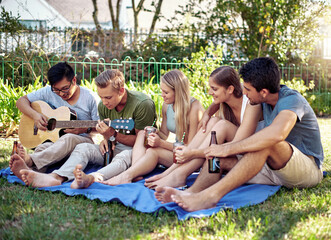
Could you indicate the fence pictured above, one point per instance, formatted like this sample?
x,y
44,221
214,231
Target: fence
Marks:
x,y
21,73
80,42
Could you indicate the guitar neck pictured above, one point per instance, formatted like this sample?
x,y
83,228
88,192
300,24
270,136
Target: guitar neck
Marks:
x,y
78,124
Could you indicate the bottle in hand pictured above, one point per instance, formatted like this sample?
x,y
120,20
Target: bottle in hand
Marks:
x,y
214,163
14,148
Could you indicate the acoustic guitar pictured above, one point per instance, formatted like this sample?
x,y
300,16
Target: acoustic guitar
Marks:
x,y
58,119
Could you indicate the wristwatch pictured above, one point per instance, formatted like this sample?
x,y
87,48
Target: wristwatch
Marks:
x,y
113,137
89,130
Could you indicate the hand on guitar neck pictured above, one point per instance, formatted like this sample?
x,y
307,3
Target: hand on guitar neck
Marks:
x,y
104,129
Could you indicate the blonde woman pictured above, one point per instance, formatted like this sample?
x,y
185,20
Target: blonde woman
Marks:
x,y
181,114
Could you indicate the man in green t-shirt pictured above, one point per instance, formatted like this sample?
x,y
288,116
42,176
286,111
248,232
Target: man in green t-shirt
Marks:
x,y
116,102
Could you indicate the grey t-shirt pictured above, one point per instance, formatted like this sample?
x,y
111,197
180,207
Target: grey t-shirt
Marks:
x,y
86,107
305,134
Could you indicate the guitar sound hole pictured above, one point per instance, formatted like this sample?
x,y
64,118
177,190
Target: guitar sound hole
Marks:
x,y
51,124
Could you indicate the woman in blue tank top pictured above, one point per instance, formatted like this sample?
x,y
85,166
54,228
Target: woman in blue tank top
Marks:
x,y
180,114
231,110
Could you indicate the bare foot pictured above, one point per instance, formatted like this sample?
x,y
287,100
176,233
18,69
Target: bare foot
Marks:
x,y
81,179
35,179
163,194
117,180
154,178
194,201
16,164
137,179
171,180
23,154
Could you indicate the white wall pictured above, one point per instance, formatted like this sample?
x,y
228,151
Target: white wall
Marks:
x,y
35,10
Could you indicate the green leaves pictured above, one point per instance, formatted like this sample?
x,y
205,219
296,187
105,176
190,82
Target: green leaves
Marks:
x,y
282,29
10,115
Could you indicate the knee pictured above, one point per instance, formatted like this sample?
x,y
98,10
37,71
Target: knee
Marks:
x,y
84,147
68,136
141,134
151,151
212,122
220,125
279,147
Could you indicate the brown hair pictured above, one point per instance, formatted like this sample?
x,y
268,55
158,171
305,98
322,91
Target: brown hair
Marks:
x,y
113,76
226,76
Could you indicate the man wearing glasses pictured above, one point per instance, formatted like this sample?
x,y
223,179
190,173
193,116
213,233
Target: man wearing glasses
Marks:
x,y
63,91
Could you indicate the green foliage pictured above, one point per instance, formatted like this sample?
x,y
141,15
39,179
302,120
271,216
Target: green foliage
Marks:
x,y
300,86
159,47
282,29
322,104
199,68
90,85
10,115
9,23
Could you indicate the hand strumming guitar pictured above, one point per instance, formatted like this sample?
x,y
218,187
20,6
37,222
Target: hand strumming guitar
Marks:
x,y
40,121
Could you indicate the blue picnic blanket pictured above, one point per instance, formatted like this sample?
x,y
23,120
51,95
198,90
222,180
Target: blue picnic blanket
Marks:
x,y
137,196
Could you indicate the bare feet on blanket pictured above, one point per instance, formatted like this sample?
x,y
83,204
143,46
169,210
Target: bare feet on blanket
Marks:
x,y
137,179
24,155
194,201
117,180
36,179
170,180
154,178
81,179
163,194
16,164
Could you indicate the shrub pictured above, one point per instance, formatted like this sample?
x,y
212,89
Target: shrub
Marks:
x,y
10,115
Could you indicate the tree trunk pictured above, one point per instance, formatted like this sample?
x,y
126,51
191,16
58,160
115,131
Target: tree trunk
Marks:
x,y
156,17
95,18
115,18
135,18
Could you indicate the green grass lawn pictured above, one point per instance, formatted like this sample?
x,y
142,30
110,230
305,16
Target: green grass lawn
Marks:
x,y
26,213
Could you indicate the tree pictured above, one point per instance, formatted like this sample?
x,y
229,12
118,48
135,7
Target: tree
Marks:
x,y
95,18
115,16
283,29
156,4
137,8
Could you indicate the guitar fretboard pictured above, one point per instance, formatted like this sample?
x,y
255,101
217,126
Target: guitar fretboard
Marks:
x,y
77,124
126,124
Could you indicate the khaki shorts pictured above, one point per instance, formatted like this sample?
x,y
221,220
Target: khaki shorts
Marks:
x,y
300,171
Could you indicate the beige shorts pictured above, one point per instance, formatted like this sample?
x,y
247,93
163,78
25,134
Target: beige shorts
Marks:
x,y
300,171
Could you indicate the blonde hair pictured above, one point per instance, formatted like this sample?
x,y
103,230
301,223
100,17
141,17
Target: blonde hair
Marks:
x,y
177,81
113,76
